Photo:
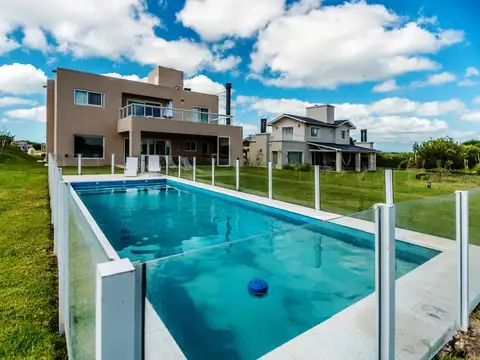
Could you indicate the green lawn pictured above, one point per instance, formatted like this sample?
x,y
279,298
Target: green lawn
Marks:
x,y
90,170
28,284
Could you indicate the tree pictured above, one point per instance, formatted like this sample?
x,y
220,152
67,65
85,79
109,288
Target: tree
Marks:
x,y
6,138
352,141
472,142
443,152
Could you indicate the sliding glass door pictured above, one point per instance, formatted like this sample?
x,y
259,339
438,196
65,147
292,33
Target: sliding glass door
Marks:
x,y
155,147
223,151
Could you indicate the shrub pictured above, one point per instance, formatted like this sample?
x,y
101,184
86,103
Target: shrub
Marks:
x,y
476,169
304,167
288,167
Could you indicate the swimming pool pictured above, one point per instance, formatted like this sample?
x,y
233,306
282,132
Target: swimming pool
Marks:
x,y
202,248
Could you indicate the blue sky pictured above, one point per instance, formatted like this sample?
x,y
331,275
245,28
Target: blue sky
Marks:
x,y
405,70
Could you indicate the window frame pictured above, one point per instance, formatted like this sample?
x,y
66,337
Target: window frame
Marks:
x,y
300,157
87,92
343,134
197,110
314,128
91,136
190,142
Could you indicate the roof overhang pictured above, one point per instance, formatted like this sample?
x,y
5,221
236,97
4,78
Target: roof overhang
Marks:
x,y
347,122
284,116
332,148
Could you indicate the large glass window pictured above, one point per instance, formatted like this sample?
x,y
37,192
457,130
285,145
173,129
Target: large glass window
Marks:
x,y
287,133
89,146
190,146
224,151
92,98
200,114
295,157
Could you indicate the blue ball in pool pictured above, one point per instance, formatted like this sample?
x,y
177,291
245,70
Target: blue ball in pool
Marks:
x,y
258,287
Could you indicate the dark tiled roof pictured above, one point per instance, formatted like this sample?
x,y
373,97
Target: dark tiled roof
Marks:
x,y
311,121
343,147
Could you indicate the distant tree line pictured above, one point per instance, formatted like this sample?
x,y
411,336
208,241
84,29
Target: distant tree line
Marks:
x,y
442,153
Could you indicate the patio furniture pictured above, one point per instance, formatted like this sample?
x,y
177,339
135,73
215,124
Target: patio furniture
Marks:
x,y
131,166
186,163
154,164
171,163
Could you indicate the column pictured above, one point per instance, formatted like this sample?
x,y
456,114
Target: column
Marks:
x,y
339,161
358,161
372,162
135,145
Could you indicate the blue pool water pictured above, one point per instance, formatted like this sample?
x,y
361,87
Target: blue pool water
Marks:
x,y
314,269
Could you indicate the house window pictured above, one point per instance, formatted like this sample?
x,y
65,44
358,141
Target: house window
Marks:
x,y
200,114
89,146
343,134
190,146
91,98
314,132
295,157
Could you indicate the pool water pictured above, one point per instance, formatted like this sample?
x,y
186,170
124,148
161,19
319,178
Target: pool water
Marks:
x,y
314,269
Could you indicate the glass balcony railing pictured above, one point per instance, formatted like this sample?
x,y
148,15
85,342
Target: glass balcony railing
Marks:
x,y
160,112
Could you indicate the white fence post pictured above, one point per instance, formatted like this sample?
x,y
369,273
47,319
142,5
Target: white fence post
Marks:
x,y
115,311
389,187
270,181
113,164
237,174
213,171
194,175
62,257
142,164
179,166
385,280
317,187
57,210
79,160
462,258
166,165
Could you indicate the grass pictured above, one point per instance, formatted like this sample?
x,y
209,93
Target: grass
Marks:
x,y
28,284
90,170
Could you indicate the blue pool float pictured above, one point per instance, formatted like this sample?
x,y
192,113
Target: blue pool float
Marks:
x,y
258,287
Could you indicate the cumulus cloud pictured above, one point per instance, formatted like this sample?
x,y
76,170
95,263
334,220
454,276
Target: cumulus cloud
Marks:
x,y
345,44
386,86
216,19
476,101
471,71
472,116
11,101
21,79
204,84
34,114
436,79
132,77
114,29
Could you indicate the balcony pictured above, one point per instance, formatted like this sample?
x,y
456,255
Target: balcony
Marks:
x,y
287,137
160,112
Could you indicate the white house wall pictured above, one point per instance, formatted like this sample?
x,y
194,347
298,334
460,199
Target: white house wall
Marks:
x,y
338,135
298,128
327,134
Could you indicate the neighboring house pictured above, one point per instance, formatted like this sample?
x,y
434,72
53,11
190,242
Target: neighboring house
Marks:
x,y
315,139
23,145
97,116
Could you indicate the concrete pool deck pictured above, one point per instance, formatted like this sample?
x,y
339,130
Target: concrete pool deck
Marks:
x,y
425,297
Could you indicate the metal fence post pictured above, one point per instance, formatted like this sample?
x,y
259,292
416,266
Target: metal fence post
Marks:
x,y
389,187
462,258
79,160
179,166
194,175
385,280
317,187
62,256
270,181
213,171
166,165
113,164
142,164
58,200
237,174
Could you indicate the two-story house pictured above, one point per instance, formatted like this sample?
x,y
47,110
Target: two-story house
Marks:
x,y
97,116
316,138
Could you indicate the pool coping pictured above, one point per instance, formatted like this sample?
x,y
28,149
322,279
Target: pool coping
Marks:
x,y
425,306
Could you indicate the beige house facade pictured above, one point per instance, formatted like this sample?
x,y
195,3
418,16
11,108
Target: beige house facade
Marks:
x,y
316,139
96,116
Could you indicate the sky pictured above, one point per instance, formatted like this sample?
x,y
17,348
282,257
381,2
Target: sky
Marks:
x,y
405,70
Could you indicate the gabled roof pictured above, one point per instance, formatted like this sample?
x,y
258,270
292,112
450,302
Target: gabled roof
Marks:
x,y
340,147
310,121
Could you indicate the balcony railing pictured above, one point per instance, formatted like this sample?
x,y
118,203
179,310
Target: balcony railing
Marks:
x,y
287,137
160,112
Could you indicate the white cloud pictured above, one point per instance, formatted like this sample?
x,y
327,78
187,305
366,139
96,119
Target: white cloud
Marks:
x,y
249,128
35,39
436,79
5,121
21,79
204,84
34,114
216,19
386,86
473,116
476,101
225,64
114,29
472,71
227,44
345,44
132,77
10,101
468,82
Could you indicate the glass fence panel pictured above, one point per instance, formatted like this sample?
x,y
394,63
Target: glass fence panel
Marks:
x,y
474,248
207,297
187,167
85,252
294,186
254,180
204,170
225,177
173,164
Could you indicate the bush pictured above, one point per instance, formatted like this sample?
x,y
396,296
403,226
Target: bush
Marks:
x,y
288,167
476,169
393,160
304,167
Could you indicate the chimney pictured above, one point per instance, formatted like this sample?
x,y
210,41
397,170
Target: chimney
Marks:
x,y
263,125
228,87
363,135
